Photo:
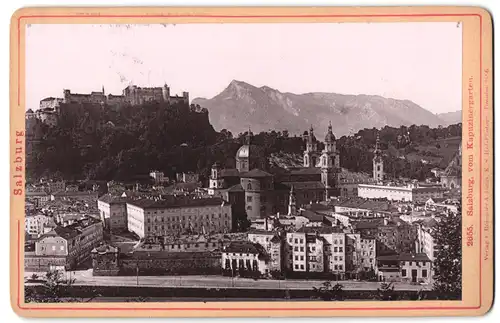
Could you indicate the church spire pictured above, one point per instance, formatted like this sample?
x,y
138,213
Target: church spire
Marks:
x,y
377,144
330,137
378,163
103,90
292,203
248,136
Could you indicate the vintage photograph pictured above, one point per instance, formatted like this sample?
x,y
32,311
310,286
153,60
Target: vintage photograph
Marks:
x,y
243,162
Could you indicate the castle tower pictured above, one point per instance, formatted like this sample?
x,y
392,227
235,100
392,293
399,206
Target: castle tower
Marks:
x,y
378,163
292,203
185,95
166,93
67,96
216,181
311,153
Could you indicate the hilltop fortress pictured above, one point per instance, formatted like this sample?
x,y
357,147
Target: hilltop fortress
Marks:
x,y
132,94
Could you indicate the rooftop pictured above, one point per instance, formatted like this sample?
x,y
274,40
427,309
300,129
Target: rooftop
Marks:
x,y
176,202
256,173
405,257
305,185
110,199
230,172
244,247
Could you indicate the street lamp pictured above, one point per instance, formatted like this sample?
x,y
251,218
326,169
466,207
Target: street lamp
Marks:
x,y
137,270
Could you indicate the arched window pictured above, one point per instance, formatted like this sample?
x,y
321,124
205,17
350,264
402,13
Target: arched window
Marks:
x,y
324,161
249,186
306,160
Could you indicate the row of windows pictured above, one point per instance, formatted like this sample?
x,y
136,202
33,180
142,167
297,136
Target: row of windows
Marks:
x,y
404,273
196,245
301,258
416,263
239,254
184,218
301,241
195,225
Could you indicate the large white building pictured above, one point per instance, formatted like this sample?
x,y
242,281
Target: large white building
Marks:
x,y
176,215
410,193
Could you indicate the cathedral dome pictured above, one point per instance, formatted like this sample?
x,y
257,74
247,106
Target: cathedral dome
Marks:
x,y
243,152
329,137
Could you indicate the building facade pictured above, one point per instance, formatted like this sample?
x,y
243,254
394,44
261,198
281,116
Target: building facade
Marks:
x,y
409,193
65,247
176,215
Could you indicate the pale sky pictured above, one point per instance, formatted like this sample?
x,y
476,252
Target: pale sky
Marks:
x,y
421,62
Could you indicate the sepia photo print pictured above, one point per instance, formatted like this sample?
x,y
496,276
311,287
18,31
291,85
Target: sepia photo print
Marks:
x,y
243,162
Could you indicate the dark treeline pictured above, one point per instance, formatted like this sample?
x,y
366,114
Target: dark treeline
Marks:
x,y
99,142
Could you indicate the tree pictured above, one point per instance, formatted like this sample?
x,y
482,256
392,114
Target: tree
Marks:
x,y
448,260
386,292
329,292
53,290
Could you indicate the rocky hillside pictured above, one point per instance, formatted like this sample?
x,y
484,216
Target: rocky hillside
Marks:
x,y
241,105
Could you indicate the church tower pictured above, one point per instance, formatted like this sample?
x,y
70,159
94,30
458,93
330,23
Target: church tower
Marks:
x,y
292,203
378,163
311,152
216,180
330,160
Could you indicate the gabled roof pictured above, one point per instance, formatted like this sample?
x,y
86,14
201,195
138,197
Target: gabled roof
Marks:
x,y
235,188
243,247
63,232
256,173
366,225
110,199
230,172
312,216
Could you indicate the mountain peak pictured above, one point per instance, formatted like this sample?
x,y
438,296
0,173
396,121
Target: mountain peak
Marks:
x,y
239,83
266,108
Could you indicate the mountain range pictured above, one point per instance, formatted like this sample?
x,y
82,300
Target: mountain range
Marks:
x,y
241,105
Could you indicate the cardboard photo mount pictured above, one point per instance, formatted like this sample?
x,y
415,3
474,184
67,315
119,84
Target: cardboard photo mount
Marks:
x,y
477,172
